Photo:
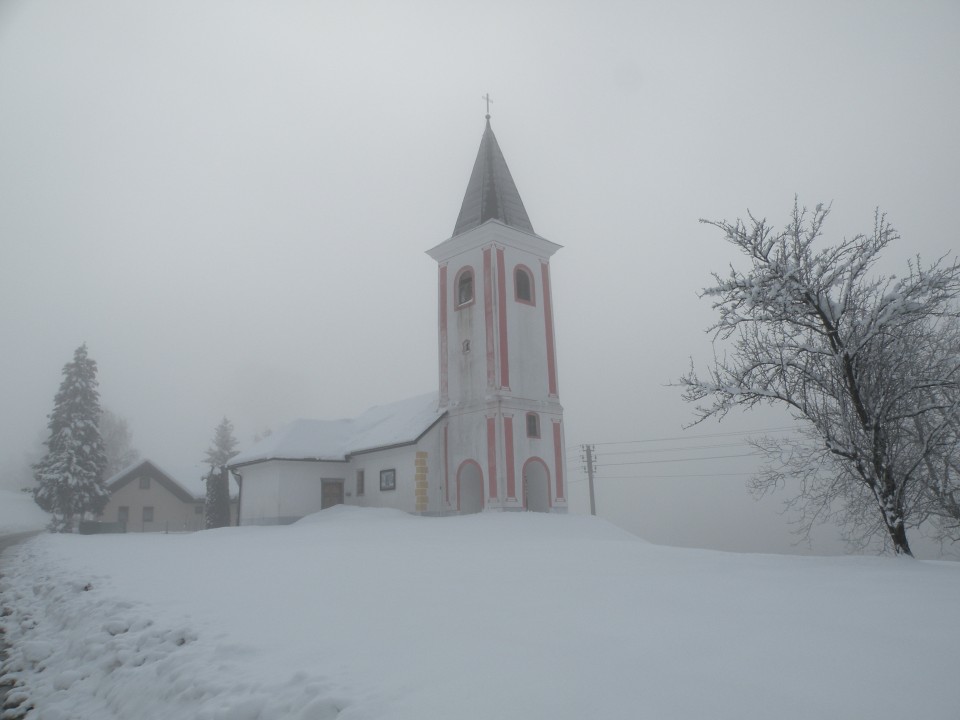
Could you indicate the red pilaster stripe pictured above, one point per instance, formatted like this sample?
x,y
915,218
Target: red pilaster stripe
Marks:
x,y
502,298
446,462
558,457
442,304
492,455
548,322
488,317
508,446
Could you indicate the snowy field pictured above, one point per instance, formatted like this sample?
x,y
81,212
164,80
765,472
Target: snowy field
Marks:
x,y
19,513
376,614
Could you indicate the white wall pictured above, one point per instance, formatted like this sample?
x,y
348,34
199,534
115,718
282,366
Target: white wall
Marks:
x,y
260,494
282,491
170,513
472,399
402,461
301,486
466,371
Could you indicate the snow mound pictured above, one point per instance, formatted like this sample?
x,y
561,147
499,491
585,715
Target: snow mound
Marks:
x,y
362,613
508,526
352,513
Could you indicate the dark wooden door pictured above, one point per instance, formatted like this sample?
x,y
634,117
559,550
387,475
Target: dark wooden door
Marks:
x,y
331,493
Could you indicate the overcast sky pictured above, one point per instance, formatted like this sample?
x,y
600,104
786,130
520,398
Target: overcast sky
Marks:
x,y
229,202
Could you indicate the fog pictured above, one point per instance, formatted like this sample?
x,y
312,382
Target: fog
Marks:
x,y
229,202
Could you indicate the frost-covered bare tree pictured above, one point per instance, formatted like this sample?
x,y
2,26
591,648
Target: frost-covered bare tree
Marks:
x,y
862,361
939,431
117,443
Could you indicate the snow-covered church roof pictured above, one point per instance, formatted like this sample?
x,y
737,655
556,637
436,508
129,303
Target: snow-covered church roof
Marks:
x,y
382,426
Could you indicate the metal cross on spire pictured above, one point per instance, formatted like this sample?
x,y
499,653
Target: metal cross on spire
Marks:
x,y
487,98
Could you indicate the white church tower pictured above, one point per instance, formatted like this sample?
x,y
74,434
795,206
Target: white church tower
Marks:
x,y
503,435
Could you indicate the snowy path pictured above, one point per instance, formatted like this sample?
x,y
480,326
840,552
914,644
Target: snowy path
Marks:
x,y
376,614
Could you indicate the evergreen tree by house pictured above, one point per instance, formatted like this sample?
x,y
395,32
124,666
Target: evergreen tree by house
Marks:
x,y
70,475
217,507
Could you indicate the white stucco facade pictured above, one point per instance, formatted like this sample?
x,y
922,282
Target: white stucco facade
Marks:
x,y
166,511
406,477
498,367
492,437
145,498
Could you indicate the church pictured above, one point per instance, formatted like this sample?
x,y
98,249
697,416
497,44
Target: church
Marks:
x,y
491,437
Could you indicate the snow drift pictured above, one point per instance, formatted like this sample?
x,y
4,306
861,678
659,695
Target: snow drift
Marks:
x,y
357,613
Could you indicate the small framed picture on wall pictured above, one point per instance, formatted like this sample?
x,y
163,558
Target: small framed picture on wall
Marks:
x,y
388,479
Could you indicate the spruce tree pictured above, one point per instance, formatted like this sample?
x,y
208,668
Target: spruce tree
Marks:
x,y
217,507
70,475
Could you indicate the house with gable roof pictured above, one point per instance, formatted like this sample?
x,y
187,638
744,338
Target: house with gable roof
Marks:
x,y
146,498
491,437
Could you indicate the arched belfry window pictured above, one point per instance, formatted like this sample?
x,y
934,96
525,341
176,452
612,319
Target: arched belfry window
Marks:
x,y
523,285
463,287
533,425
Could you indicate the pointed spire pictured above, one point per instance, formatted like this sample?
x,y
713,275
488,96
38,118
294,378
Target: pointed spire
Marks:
x,y
491,193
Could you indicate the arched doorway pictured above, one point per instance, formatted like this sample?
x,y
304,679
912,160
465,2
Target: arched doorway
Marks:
x,y
536,486
470,487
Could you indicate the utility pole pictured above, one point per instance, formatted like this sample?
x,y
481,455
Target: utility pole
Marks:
x,y
589,459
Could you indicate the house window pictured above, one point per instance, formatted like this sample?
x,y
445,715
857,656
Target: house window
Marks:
x,y
464,287
388,479
466,346
148,514
523,285
533,425
144,483
123,514
360,482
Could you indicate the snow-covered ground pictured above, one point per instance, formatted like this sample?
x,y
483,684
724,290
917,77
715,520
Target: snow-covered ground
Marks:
x,y
360,613
19,513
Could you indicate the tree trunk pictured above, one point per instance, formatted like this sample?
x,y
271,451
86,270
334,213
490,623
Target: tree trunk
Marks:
x,y
892,513
898,536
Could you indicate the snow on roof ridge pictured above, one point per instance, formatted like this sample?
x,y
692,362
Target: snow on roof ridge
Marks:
x,y
379,426
194,488
135,464
156,466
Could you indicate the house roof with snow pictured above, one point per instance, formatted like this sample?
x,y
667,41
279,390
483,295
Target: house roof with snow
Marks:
x,y
380,427
491,193
188,484
149,468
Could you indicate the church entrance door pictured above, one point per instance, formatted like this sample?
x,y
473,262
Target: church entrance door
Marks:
x,y
331,493
470,487
536,486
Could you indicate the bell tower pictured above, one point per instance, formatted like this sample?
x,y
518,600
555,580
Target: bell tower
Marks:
x,y
503,434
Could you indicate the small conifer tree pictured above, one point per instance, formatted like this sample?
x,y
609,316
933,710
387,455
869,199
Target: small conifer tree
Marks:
x,y
70,475
217,507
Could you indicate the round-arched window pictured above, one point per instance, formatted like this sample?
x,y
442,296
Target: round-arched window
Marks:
x,y
523,285
464,287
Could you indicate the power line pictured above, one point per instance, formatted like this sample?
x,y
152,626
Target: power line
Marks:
x,y
706,457
662,477
701,436
675,449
